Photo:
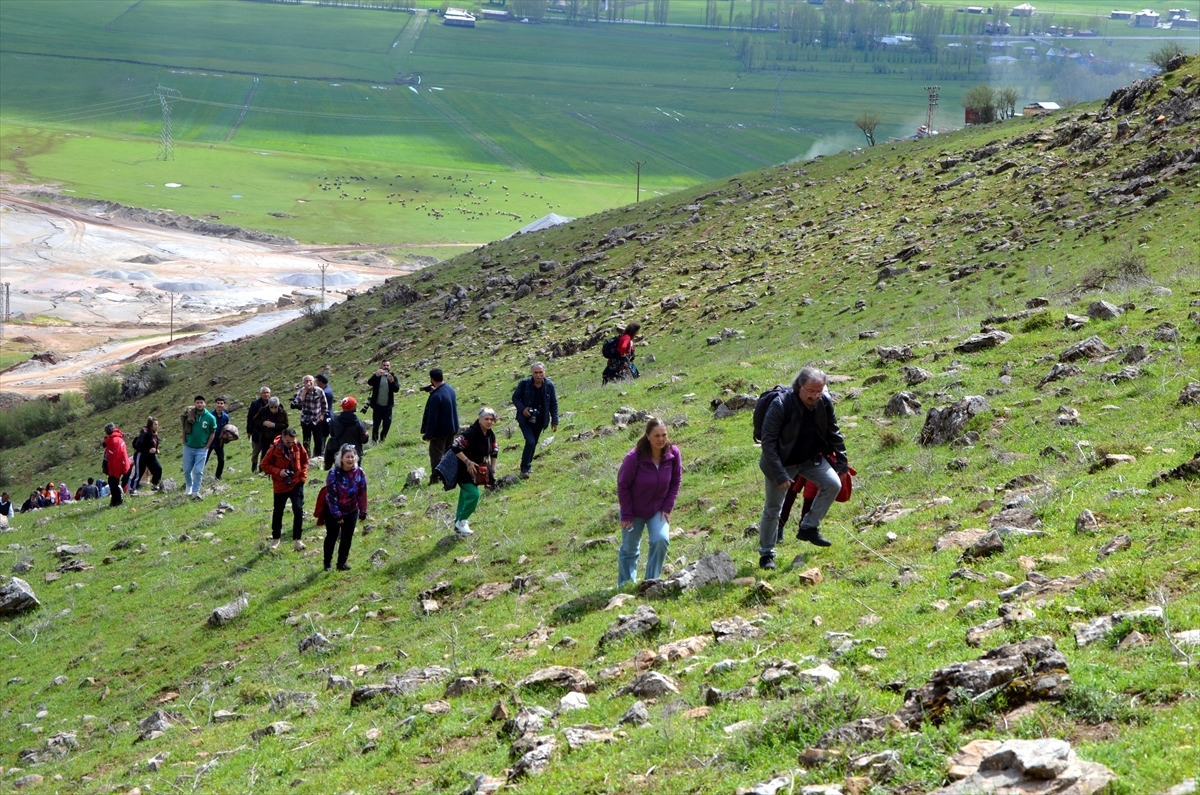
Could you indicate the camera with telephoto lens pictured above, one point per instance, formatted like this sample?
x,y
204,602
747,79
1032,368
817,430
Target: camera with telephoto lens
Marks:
x,y
533,415
287,477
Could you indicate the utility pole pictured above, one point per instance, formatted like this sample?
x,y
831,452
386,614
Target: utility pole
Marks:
x,y
172,337
7,303
323,266
638,165
933,103
166,96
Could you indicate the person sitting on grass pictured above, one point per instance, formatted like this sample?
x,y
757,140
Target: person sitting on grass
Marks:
x,y
345,504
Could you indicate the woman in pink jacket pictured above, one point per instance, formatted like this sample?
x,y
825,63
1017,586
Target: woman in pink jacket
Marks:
x,y
647,486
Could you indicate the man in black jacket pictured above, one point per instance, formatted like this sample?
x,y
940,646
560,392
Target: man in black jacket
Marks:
x,y
258,445
536,402
346,428
440,423
800,429
384,386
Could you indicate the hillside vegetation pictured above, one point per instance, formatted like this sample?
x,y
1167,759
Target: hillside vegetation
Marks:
x,y
865,264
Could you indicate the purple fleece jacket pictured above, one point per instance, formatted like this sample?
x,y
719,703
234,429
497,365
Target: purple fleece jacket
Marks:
x,y
643,489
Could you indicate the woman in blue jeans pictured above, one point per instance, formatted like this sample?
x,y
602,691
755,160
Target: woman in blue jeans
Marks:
x,y
647,486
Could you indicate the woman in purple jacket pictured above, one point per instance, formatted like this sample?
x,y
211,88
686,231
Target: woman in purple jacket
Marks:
x,y
647,486
345,504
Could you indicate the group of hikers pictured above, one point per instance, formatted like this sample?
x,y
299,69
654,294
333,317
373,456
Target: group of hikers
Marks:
x,y
803,452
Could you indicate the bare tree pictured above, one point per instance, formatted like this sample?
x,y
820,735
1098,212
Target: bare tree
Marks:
x,y
1006,101
867,121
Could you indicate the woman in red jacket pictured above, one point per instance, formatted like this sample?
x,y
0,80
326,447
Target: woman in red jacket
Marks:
x,y
116,462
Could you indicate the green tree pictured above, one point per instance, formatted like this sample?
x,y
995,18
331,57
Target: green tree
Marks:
x,y
1163,55
867,121
1007,99
982,100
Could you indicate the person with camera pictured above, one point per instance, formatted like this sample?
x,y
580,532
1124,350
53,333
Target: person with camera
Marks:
x,y
287,463
345,429
647,487
384,386
310,399
440,422
476,451
269,423
345,504
536,402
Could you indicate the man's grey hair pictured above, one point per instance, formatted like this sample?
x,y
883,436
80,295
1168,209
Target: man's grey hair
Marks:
x,y
487,411
536,365
807,374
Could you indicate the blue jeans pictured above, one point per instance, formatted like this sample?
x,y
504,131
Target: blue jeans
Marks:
x,y
829,483
631,541
193,468
531,435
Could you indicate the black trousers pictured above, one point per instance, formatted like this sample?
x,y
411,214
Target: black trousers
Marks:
x,y
219,449
339,533
114,486
142,462
438,446
296,496
381,422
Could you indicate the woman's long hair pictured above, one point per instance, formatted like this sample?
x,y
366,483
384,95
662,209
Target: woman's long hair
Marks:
x,y
643,444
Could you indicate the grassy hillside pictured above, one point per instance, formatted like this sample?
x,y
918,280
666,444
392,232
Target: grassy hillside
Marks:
x,y
903,245
280,99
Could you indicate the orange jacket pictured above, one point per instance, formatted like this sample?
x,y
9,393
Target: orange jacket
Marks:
x,y
278,460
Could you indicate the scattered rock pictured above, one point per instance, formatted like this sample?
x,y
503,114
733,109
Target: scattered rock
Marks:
x,y
1086,522
1090,348
959,539
715,568
437,707
1098,628
900,353
16,596
650,684
572,702
461,686
915,375
528,722
902,404
946,424
1103,310
1119,543
416,477
681,649
31,780
1190,396
228,612
535,760
559,677
154,724
821,676
990,544
644,621
314,641
274,730
636,715
880,766
732,630
982,341
1024,766
1112,460
1060,371
811,576
588,734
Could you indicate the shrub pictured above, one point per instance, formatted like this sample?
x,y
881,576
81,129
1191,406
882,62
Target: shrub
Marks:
x,y
157,378
1037,322
1165,54
315,316
102,390
889,438
33,418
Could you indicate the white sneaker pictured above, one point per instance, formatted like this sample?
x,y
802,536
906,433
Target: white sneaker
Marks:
x,y
196,496
461,528
299,546
274,543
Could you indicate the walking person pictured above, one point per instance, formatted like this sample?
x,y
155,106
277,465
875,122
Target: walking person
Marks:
x,y
257,445
346,428
384,386
345,504
199,428
145,457
311,400
116,462
799,431
647,487
536,402
476,451
270,423
218,443
321,433
440,423
286,461
620,355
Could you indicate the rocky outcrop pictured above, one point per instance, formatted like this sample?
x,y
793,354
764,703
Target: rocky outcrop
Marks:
x,y
1024,767
946,424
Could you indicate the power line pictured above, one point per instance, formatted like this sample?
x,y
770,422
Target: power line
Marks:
x,y
165,97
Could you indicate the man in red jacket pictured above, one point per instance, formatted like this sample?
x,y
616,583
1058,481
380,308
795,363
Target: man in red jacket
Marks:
x,y
116,462
287,464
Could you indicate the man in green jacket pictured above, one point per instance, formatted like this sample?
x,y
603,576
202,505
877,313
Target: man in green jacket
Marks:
x,y
199,428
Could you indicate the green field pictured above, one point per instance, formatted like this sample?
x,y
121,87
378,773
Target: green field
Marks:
x,y
294,110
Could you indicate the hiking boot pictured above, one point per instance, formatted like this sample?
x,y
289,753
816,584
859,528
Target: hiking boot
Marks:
x,y
344,567
274,544
461,528
299,546
813,536
196,496
767,562
525,474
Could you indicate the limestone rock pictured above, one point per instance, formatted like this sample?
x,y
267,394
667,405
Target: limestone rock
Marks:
x,y
902,404
1186,787
1086,522
1103,310
636,715
959,539
715,568
528,722
915,375
1190,396
16,596
273,730
228,612
1016,767
154,724
982,341
643,621
461,686
945,424
1098,628
1089,348
588,734
681,649
536,759
900,353
821,676
649,684
734,629
416,477
1060,371
1116,545
559,677
989,544
572,702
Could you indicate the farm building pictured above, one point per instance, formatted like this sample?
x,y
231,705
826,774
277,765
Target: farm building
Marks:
x,y
997,28
1178,13
1034,108
974,9
1184,22
1121,14
458,18
1145,18
545,222
493,13
1023,10
1002,60
1030,52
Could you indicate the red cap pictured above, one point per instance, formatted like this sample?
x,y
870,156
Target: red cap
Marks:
x,y
349,404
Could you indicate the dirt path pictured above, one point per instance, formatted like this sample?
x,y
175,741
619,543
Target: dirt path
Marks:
x,y
99,291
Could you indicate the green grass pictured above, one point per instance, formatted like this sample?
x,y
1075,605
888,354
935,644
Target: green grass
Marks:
x,y
1135,710
555,112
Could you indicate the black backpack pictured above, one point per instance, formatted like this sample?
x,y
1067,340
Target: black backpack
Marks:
x,y
609,349
762,404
